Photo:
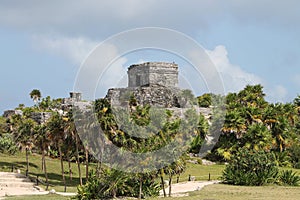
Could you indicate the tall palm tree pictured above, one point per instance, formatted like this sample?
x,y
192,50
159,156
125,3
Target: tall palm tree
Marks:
x,y
70,129
43,142
35,95
25,138
57,134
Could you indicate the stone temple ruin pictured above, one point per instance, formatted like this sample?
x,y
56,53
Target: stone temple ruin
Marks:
x,y
153,83
151,73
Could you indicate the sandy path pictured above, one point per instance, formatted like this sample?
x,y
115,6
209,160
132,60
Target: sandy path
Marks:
x,y
189,186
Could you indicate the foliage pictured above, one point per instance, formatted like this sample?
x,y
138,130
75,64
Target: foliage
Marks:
x,y
288,177
113,183
252,168
202,130
283,159
205,100
35,95
295,155
7,144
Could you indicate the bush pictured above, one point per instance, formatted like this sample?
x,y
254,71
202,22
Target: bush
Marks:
x,y
7,144
297,165
288,177
205,100
283,159
251,167
294,151
113,183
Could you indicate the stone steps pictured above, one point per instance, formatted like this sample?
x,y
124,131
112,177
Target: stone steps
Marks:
x,y
15,184
11,175
8,179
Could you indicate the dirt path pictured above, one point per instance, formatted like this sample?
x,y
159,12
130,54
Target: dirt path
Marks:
x,y
181,189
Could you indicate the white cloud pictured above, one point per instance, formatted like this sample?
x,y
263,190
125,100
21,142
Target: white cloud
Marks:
x,y
74,49
99,68
234,77
277,93
106,17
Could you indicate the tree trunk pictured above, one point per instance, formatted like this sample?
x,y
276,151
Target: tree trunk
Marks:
x,y
43,161
78,162
86,164
45,169
27,162
170,185
162,182
70,168
140,189
98,169
62,168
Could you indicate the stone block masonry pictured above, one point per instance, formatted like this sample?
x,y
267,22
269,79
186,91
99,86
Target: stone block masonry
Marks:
x,y
149,73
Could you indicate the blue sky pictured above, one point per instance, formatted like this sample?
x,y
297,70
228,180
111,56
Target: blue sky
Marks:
x,y
43,43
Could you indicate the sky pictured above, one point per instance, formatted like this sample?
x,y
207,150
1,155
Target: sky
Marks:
x,y
43,44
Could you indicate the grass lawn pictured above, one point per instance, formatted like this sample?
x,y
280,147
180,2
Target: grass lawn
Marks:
x,y
39,197
228,192
201,172
53,169
214,192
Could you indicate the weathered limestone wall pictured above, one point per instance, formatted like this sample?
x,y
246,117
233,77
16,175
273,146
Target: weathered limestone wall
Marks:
x,y
41,117
165,74
154,95
9,113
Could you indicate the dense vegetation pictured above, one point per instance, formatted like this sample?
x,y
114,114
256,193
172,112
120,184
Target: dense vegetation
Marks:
x,y
252,132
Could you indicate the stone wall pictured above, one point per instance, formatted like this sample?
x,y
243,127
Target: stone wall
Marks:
x,y
154,95
162,73
41,117
9,113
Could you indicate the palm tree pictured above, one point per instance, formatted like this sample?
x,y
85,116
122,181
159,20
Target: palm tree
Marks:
x,y
70,129
234,123
57,134
35,95
25,138
43,142
202,130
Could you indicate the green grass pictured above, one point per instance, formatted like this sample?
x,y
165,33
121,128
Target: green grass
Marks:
x,y
39,197
293,169
228,192
201,172
53,169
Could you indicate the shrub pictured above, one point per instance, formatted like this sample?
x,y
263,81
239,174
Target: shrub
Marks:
x,y
297,165
205,100
7,144
283,159
113,183
251,167
288,177
295,154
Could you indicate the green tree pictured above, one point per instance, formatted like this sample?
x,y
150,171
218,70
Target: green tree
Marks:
x,y
205,100
57,134
35,95
25,137
42,141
